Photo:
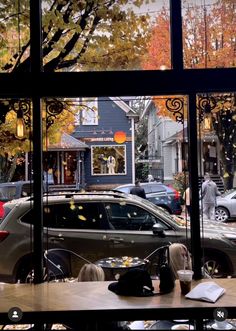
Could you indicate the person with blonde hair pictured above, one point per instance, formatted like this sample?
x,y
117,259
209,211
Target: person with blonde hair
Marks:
x,y
179,258
88,273
91,272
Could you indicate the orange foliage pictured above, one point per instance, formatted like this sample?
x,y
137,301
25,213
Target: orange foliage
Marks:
x,y
208,41
158,54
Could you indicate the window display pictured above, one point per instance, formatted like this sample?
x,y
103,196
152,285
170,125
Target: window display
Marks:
x,y
108,160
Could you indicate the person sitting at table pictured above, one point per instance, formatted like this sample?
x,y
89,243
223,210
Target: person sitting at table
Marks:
x,y
180,258
91,272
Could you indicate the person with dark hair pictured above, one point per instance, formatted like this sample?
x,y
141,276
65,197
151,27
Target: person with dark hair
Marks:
x,y
138,190
103,163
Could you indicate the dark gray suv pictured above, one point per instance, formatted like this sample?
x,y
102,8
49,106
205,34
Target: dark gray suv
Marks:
x,y
160,194
105,224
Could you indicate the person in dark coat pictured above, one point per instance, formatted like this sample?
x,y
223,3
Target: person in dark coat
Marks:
x,y
138,190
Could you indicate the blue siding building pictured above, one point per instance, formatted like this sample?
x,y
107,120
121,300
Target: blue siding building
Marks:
x,y
106,126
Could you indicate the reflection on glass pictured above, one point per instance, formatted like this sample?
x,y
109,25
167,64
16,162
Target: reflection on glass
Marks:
x,y
108,160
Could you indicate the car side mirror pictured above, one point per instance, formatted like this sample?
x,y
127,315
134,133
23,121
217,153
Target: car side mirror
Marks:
x,y
158,229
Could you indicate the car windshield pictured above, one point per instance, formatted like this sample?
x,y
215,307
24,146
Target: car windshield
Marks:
x,y
7,193
178,220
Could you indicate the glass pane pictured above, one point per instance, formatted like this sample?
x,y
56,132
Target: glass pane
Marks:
x,y
108,160
145,135
101,35
15,139
14,35
209,33
217,115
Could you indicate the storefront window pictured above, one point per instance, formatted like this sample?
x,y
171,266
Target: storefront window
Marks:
x,y
108,160
60,168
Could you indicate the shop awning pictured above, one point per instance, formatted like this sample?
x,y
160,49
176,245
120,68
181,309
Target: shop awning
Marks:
x,y
68,143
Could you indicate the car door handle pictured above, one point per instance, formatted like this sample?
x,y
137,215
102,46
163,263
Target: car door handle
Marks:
x,y
56,239
116,240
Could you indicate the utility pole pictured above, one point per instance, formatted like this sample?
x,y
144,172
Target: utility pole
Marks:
x,y
205,33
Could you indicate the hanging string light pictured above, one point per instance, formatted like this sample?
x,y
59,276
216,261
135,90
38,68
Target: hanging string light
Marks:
x,y
207,121
20,124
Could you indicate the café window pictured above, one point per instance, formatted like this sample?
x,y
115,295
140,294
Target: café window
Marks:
x,y
108,160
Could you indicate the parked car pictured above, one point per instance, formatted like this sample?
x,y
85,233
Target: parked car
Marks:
x,y
161,195
13,190
103,224
226,206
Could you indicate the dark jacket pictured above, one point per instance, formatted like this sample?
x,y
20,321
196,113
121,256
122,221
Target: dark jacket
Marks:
x,y
139,191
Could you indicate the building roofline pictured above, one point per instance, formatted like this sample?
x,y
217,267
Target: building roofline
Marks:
x,y
123,105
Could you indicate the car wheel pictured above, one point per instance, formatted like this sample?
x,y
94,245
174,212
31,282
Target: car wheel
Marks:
x,y
221,214
214,267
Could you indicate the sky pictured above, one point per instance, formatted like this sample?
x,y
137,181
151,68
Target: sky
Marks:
x,y
154,6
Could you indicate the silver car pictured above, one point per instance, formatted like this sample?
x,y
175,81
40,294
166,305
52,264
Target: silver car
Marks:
x,y
226,206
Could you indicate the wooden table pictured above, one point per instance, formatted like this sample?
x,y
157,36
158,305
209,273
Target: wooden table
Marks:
x,y
62,302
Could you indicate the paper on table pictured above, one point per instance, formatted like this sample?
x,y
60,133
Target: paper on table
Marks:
x,y
208,291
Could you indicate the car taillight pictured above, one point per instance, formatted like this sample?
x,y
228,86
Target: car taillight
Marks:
x,y
177,195
1,209
3,235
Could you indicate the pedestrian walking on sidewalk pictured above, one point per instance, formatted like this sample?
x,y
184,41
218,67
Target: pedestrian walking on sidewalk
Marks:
x,y
138,190
209,193
186,197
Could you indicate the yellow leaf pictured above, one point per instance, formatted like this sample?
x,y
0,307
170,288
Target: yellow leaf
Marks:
x,y
82,218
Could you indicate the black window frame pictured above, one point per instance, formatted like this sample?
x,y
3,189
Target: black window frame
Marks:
x,y
37,84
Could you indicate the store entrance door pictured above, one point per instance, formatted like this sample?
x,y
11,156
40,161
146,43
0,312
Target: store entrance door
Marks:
x,y
210,157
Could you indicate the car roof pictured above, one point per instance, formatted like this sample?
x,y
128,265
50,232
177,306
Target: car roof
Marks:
x,y
20,182
161,186
57,196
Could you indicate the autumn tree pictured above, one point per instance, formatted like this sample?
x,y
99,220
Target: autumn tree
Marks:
x,y
12,148
77,35
98,34
208,42
224,124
